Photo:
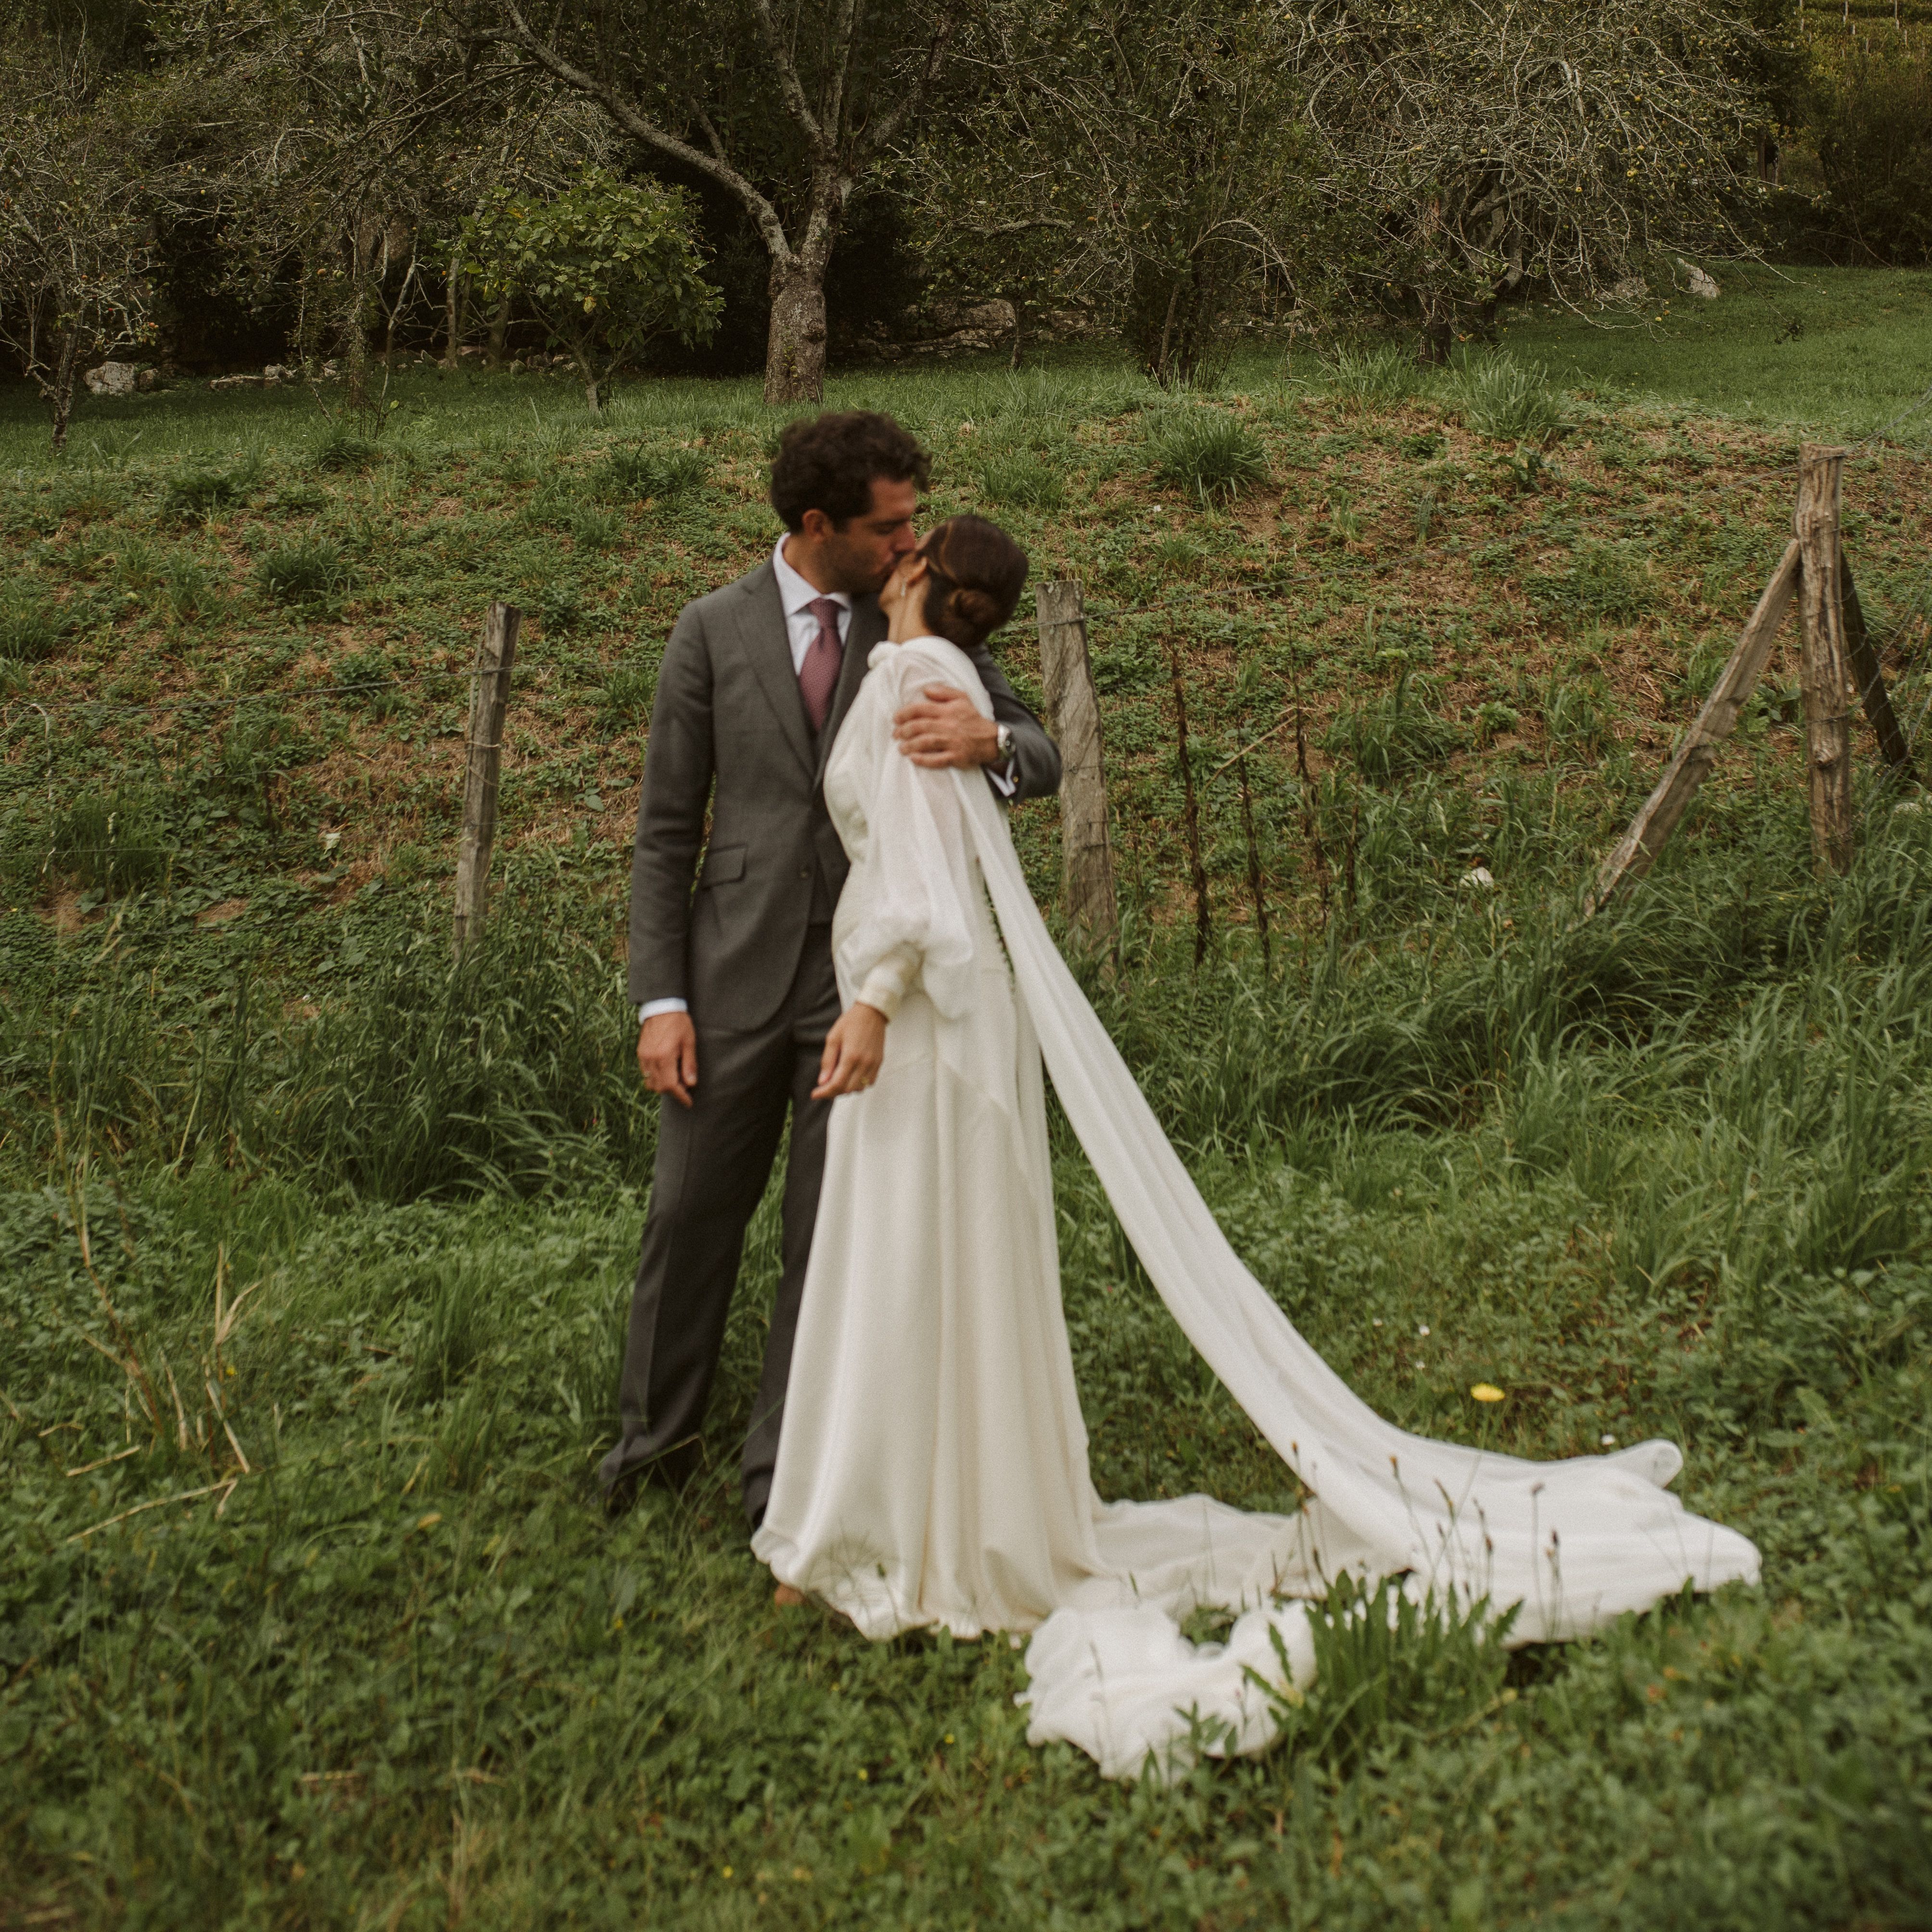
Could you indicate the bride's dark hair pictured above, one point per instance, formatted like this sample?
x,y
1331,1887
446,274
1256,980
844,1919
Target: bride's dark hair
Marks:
x,y
974,574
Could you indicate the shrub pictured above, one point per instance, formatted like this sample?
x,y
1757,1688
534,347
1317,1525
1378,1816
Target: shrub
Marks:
x,y
1510,400
637,475
311,573
1866,148
1021,479
30,628
1206,452
1375,378
191,495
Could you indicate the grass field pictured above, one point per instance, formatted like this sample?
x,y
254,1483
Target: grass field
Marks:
x,y
313,1253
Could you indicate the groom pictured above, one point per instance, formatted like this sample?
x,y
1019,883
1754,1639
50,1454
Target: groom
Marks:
x,y
734,979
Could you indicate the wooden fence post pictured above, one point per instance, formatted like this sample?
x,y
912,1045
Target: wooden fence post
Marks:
x,y
1073,709
1870,678
489,700
1827,672
1637,850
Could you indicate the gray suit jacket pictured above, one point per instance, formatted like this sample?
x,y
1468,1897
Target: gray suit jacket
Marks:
x,y
729,732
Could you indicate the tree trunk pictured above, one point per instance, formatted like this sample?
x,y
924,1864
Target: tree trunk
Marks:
x,y
795,349
452,315
67,366
355,330
500,327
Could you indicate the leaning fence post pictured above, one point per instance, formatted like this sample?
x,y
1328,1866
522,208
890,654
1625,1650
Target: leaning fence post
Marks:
x,y
1074,710
489,700
1827,672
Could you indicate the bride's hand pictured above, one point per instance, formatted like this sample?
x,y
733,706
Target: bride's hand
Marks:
x,y
854,1049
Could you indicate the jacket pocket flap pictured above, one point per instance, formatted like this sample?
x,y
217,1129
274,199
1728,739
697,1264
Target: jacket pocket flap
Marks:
x,y
722,864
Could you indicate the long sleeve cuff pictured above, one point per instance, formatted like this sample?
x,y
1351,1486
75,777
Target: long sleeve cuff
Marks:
x,y
889,981
650,1009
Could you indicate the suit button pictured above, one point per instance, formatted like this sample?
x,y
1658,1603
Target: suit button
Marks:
x,y
805,872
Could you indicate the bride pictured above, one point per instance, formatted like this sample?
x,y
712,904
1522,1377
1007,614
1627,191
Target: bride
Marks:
x,y
932,1467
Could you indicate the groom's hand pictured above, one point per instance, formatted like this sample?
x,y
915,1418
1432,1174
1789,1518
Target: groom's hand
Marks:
x,y
945,728
667,1055
853,1050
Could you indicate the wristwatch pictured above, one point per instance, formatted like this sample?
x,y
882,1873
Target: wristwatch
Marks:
x,y
1004,740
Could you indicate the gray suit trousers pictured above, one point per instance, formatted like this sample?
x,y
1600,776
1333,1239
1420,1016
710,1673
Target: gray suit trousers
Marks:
x,y
713,1159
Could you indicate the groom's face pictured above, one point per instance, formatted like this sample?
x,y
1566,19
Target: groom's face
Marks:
x,y
860,557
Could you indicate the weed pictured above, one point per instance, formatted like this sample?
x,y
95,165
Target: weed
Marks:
x,y
1571,716
1507,400
1389,737
1019,478
592,529
193,494
638,474
1606,583
31,627
1376,379
112,843
1392,1664
1207,452
1492,719
368,679
559,607
311,573
341,448
190,585
624,702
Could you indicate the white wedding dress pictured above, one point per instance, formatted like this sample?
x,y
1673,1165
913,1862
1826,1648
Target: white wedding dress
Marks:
x,y
932,1467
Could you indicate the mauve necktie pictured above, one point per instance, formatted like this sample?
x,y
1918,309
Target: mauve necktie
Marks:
x,y
818,675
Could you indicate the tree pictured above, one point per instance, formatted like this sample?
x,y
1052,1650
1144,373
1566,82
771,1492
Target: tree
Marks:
x,y
606,265
337,147
1144,160
788,105
1465,148
76,238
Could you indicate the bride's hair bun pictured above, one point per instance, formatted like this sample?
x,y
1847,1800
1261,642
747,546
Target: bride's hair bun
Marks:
x,y
975,574
979,608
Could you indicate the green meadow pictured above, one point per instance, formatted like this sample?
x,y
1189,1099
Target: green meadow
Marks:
x,y
314,1248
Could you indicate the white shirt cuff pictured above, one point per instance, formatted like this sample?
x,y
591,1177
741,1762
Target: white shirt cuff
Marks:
x,y
650,1009
1006,778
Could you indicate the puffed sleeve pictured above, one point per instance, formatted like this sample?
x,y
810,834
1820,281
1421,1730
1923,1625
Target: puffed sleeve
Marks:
x,y
915,924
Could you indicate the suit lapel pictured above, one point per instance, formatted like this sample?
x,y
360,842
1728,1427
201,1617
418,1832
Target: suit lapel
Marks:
x,y
761,624
867,627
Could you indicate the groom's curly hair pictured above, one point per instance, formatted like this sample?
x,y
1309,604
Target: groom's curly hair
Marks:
x,y
975,573
828,463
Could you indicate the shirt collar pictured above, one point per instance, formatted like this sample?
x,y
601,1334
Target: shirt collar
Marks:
x,y
793,591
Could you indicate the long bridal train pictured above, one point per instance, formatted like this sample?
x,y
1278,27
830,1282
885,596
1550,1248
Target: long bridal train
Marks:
x,y
933,1466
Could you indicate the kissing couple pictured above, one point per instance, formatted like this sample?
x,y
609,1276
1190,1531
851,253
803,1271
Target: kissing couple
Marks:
x,y
829,925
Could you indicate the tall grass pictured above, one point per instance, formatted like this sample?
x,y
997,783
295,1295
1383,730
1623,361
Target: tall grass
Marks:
x,y
511,1072
1664,1172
